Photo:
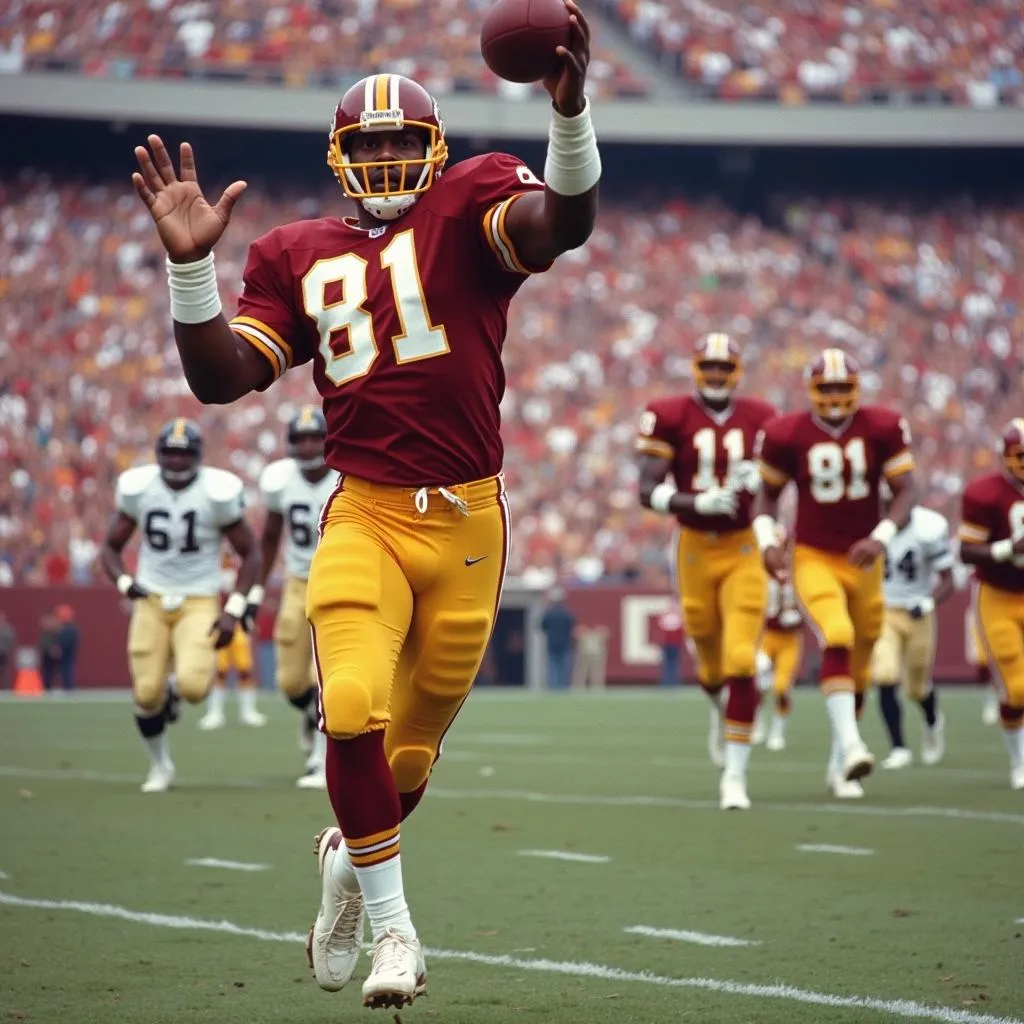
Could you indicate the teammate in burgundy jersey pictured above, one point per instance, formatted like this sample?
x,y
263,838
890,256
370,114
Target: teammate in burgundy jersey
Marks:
x,y
402,311
706,442
837,455
992,540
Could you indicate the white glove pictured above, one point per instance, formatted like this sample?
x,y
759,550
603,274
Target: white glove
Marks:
x,y
922,607
718,501
790,618
745,476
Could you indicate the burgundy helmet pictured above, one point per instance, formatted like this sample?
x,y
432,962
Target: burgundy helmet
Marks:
x,y
1013,448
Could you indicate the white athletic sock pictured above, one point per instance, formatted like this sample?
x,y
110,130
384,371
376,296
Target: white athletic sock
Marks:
x,y
842,712
737,756
247,699
835,755
159,748
778,726
1015,745
384,896
215,700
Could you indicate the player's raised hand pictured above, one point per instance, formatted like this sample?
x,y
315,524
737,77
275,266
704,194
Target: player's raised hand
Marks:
x,y
865,553
188,225
776,563
567,85
223,629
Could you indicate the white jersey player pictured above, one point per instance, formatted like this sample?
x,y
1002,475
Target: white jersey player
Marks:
x,y
183,511
295,491
918,578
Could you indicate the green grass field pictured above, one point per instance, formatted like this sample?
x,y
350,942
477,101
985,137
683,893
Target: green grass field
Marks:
x,y
102,919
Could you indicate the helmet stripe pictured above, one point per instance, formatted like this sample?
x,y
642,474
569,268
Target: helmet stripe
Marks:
x,y
394,82
718,347
368,92
380,99
1018,425
178,433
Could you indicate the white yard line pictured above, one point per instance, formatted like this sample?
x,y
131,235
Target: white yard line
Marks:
x,y
228,865
582,858
849,851
530,796
905,1008
3,874
698,938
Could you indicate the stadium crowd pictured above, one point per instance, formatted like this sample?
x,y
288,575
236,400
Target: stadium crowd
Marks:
x,y
793,51
929,301
947,51
329,43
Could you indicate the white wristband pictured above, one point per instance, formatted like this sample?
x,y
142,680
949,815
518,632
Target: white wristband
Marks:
x,y
573,164
235,605
194,295
125,582
1001,550
884,532
766,532
255,595
661,496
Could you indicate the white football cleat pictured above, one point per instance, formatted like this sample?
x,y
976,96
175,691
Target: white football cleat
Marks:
x,y
254,719
732,791
716,738
160,778
1017,777
841,789
899,757
398,973
933,745
776,735
332,946
990,709
315,778
212,720
858,761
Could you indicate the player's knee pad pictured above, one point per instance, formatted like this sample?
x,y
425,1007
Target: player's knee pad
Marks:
x,y
347,703
410,766
739,657
149,697
194,677
836,629
452,654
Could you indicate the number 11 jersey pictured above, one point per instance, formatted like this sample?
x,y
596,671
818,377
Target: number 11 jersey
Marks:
x,y
179,552
404,324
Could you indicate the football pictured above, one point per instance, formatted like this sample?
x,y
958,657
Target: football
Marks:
x,y
519,37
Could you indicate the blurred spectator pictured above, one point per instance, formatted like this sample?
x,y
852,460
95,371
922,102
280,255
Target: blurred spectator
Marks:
x,y
49,651
558,625
669,636
8,652
590,665
67,640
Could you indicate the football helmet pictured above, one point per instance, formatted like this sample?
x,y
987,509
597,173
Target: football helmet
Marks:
x,y
386,103
833,380
1013,448
716,351
307,434
179,450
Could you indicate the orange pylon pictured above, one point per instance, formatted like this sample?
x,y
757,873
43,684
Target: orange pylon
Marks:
x,y
28,682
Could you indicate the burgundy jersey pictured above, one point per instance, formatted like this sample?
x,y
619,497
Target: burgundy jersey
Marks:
x,y
707,449
993,509
837,472
404,324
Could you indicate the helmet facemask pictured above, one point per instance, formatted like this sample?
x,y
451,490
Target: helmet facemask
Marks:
x,y
722,387
834,401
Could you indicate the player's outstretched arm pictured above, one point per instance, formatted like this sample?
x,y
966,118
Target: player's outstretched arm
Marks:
x,y
240,607
218,366
659,495
544,225
111,555
767,532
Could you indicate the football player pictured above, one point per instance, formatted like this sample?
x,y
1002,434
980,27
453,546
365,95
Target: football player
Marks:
x,y
782,645
236,656
918,578
184,511
837,454
295,490
705,441
992,540
402,310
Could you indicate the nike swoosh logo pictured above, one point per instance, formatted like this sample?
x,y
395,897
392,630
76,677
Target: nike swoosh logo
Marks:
x,y
473,561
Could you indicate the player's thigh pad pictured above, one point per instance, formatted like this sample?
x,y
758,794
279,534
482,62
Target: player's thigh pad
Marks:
x,y
920,656
149,653
866,600
359,605
1001,618
743,598
820,592
698,588
195,657
887,659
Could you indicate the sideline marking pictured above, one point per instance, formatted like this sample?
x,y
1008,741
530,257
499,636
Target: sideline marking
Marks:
x,y
582,858
700,938
229,865
849,851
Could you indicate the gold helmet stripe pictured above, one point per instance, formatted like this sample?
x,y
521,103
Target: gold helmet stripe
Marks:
x,y
178,431
835,365
306,416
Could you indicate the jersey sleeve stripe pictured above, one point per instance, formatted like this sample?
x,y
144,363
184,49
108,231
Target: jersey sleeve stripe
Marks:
x,y
263,348
652,446
771,475
269,335
498,238
973,534
899,464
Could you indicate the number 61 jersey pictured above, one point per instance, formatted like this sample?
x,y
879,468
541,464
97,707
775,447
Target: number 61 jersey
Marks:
x,y
404,324
299,501
181,529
